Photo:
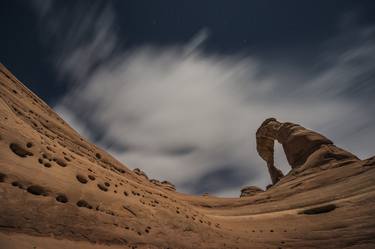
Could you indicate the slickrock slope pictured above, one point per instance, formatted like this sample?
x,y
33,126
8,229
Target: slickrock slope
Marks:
x,y
58,190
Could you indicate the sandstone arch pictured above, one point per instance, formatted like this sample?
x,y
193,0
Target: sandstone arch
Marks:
x,y
298,143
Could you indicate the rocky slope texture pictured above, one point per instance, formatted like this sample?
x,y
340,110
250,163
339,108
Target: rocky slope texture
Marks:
x,y
58,190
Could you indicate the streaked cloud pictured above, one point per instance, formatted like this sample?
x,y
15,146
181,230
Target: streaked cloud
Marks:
x,y
190,117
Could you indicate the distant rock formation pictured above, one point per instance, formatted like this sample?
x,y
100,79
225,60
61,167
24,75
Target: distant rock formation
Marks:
x,y
140,172
168,185
298,143
250,191
165,184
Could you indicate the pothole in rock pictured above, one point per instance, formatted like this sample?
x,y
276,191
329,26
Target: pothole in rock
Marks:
x,y
60,162
83,203
18,184
62,198
81,179
19,151
2,177
102,187
37,190
319,210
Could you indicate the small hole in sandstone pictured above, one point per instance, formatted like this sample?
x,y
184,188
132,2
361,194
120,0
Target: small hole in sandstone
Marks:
x,y
47,165
91,177
102,187
107,184
2,177
83,203
29,145
62,198
320,209
16,184
19,151
36,190
126,193
60,162
98,156
81,179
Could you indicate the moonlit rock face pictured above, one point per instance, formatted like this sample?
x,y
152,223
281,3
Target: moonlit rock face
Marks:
x,y
58,190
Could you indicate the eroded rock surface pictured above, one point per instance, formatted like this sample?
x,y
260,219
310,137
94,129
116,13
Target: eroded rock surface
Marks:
x,y
57,190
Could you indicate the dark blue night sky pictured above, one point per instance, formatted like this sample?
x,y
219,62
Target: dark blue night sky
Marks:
x,y
272,29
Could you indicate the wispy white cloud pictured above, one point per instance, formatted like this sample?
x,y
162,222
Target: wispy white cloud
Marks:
x,y
156,100
196,41
190,117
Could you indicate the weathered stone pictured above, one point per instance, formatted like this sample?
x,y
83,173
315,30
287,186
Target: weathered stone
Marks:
x,y
250,191
140,172
164,184
168,185
298,143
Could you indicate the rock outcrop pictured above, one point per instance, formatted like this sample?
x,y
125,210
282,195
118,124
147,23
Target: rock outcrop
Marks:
x,y
164,184
250,191
58,190
140,173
